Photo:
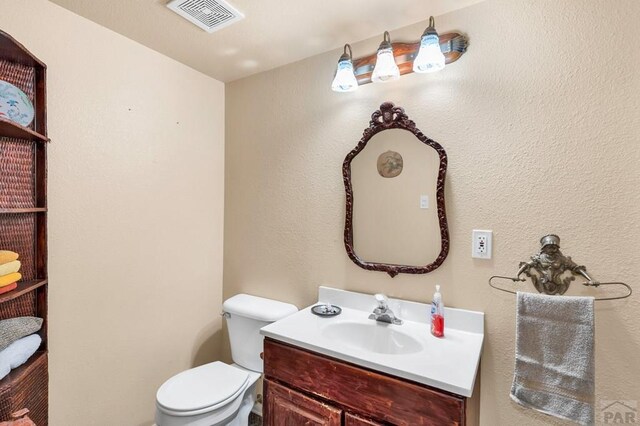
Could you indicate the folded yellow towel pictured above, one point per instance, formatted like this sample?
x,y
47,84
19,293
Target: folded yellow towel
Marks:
x,y
10,278
9,268
7,256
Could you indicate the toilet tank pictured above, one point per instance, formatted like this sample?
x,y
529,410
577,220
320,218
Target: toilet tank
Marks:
x,y
246,315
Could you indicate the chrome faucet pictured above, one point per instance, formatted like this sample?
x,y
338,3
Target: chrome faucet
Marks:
x,y
382,313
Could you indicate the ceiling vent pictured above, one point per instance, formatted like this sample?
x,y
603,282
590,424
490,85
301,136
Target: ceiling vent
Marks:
x,y
210,15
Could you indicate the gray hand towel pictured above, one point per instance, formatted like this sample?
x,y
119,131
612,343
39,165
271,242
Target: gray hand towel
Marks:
x,y
554,370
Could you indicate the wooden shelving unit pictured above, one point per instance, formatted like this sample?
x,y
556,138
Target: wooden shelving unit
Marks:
x,y
23,226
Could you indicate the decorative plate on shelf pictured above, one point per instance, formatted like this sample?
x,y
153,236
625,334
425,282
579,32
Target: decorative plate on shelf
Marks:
x,y
15,105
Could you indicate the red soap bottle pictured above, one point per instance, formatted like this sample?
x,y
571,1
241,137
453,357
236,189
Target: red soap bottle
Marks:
x,y
437,314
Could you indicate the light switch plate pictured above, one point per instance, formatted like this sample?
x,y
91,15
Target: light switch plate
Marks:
x,y
424,201
481,244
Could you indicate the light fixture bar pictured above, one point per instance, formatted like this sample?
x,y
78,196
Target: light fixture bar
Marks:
x,y
453,46
446,47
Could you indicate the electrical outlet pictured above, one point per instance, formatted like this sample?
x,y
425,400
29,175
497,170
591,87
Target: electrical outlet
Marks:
x,y
481,244
424,201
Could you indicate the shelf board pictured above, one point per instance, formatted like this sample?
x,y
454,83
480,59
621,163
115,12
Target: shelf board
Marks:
x,y
10,129
28,210
23,287
17,374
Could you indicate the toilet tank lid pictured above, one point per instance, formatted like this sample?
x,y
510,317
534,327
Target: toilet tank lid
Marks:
x,y
258,308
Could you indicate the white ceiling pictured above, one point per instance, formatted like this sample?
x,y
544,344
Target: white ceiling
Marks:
x,y
273,33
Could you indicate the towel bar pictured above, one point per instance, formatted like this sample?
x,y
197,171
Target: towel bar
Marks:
x,y
547,271
588,284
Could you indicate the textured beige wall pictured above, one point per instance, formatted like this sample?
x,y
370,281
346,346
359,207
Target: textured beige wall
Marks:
x,y
540,121
136,171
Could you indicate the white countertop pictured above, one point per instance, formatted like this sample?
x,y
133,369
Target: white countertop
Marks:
x,y
449,363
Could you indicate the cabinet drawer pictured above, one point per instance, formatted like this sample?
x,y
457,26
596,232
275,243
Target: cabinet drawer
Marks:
x,y
361,391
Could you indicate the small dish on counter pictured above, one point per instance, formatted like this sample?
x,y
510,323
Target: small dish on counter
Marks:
x,y
326,310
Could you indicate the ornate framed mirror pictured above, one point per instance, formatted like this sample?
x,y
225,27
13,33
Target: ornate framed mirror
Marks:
x,y
392,179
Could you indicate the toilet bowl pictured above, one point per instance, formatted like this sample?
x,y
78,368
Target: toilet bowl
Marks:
x,y
217,393
212,394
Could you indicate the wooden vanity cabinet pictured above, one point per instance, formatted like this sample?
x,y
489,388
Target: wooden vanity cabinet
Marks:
x,y
306,388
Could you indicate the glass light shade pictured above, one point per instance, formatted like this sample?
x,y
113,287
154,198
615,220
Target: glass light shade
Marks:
x,y
345,80
386,68
430,57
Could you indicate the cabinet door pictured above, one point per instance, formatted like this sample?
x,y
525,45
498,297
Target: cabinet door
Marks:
x,y
353,420
286,407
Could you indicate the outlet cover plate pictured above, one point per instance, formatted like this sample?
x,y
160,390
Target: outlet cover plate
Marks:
x,y
481,244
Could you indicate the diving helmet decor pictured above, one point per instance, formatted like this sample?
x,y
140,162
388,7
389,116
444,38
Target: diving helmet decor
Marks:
x,y
550,266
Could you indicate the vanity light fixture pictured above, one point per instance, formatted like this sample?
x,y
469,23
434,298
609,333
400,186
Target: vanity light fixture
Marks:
x,y
430,58
386,68
392,60
345,79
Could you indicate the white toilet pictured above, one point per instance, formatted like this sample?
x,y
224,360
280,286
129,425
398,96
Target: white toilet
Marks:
x,y
218,393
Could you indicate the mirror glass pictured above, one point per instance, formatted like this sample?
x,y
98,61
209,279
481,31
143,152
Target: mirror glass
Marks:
x,y
395,210
395,219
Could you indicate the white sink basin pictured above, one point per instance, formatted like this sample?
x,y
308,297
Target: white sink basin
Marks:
x,y
372,336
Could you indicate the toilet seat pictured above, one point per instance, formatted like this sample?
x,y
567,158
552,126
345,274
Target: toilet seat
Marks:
x,y
202,389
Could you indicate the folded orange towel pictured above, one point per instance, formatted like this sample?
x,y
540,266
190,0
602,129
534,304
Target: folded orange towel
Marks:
x,y
8,288
9,268
7,256
10,278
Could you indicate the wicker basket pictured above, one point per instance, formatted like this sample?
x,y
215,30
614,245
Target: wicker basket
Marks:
x,y
30,392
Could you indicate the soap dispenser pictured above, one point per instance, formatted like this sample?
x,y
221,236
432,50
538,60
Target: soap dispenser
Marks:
x,y
437,314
